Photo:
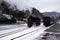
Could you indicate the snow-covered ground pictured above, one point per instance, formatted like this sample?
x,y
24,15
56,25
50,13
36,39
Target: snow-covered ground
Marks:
x,y
6,30
22,32
27,34
33,35
12,27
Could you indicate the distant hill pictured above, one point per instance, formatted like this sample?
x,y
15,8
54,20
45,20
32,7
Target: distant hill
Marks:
x,y
52,14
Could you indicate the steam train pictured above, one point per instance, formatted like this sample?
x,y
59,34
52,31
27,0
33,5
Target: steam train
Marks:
x,y
33,20
37,21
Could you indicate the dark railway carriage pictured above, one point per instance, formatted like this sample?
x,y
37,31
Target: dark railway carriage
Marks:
x,y
46,21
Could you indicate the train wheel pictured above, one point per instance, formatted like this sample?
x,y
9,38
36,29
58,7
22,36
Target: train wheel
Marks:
x,y
37,24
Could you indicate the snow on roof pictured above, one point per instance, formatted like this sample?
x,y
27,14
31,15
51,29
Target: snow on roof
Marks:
x,y
7,16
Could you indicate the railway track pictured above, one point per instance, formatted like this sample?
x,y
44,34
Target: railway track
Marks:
x,y
10,33
25,34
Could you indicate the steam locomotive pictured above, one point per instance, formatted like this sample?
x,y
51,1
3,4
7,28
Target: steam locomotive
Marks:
x,y
37,21
33,20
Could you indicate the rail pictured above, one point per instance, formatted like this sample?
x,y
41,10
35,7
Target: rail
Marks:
x,y
10,33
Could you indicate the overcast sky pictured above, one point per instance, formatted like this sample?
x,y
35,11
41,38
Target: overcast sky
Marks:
x,y
42,5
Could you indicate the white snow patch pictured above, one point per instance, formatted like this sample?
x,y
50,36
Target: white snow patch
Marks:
x,y
13,27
